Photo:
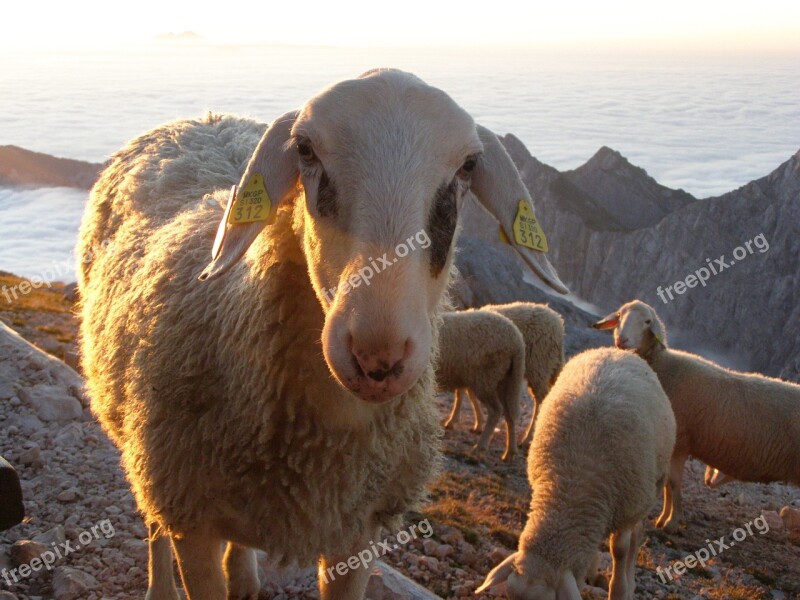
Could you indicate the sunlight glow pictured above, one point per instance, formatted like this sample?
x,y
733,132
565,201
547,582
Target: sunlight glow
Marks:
x,y
771,25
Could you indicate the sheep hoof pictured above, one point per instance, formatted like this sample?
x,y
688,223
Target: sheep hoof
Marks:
x,y
508,457
447,424
476,429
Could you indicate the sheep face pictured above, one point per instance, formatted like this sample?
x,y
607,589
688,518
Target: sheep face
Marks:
x,y
376,169
381,198
636,327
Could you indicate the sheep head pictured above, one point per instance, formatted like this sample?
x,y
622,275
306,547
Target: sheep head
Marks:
x,y
377,168
636,327
529,577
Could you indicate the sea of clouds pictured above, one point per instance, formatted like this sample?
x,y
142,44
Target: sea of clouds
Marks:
x,y
38,230
707,125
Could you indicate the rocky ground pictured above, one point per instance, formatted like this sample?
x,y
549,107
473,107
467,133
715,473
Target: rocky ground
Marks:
x,y
77,498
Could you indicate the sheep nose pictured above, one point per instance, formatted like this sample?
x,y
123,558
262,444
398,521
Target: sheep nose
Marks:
x,y
379,365
621,342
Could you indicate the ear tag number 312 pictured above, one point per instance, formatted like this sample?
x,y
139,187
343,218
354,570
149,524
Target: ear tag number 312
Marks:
x,y
527,231
252,203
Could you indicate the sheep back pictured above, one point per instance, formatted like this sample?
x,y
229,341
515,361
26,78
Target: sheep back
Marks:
x,y
745,424
599,455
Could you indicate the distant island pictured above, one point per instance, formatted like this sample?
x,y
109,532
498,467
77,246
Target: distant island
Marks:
x,y
21,167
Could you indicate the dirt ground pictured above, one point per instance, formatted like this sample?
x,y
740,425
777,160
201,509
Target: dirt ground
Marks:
x,y
478,507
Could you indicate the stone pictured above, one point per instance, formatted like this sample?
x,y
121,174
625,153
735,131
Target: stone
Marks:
x,y
24,551
72,584
385,583
52,402
791,518
69,495
31,456
52,536
773,519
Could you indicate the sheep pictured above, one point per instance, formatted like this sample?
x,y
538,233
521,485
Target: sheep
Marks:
x,y
597,462
744,424
485,352
542,329
12,509
282,399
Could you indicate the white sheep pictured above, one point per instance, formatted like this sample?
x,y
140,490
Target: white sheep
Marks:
x,y
596,465
485,352
542,329
744,424
284,401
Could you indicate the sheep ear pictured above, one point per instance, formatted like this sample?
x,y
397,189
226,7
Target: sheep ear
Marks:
x,y
499,187
568,587
269,181
657,329
499,574
609,322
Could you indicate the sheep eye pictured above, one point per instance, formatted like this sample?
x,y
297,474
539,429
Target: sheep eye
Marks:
x,y
465,172
305,151
647,322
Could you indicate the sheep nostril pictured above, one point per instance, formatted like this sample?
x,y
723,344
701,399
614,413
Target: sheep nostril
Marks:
x,y
382,365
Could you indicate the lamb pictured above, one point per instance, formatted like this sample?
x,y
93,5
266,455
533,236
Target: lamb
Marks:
x,y
281,400
542,329
485,352
744,424
598,460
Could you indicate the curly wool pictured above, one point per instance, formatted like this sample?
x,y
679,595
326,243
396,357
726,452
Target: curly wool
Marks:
x,y
584,486
217,393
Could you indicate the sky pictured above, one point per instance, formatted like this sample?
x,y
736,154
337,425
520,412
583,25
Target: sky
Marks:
x,y
767,25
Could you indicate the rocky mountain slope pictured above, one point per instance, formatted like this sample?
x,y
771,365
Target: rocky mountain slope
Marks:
x,y
615,235
25,168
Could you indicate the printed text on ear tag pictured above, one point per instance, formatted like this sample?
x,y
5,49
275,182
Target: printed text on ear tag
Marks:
x,y
526,229
252,202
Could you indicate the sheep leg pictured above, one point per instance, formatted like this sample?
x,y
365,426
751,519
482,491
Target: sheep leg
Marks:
x,y
637,537
353,584
511,433
480,421
491,422
241,571
456,411
161,576
200,562
672,515
620,544
529,431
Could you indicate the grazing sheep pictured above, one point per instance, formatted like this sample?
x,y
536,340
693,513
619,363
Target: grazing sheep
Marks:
x,y
485,352
282,400
744,424
596,465
542,329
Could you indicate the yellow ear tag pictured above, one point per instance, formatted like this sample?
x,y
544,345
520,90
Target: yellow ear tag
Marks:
x,y
659,337
501,234
252,203
527,231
